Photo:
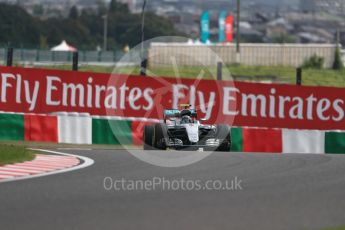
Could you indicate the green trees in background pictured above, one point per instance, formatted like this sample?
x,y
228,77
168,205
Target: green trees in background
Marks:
x,y
81,29
17,26
338,62
114,6
73,13
314,62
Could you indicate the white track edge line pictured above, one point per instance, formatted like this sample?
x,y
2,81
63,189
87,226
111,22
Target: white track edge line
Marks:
x,y
86,163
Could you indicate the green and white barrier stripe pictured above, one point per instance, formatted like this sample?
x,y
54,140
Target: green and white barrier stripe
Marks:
x,y
109,131
74,129
11,127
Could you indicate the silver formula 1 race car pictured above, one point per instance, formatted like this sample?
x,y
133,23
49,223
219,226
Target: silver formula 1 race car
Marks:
x,y
181,130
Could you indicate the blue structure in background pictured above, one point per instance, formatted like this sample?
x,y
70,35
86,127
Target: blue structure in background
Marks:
x,y
205,27
221,22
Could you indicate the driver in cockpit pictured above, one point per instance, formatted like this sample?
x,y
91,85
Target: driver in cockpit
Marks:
x,y
186,120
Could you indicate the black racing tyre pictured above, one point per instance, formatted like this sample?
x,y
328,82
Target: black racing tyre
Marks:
x,y
160,136
224,133
148,137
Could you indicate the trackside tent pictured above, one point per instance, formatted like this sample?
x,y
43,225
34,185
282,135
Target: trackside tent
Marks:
x,y
64,46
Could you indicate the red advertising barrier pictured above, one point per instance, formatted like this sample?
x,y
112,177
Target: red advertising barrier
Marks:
x,y
262,140
236,103
41,128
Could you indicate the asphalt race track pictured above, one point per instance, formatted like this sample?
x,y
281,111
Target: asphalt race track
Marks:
x,y
278,192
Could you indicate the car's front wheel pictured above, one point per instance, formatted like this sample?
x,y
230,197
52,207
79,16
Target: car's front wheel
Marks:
x,y
224,133
160,136
148,137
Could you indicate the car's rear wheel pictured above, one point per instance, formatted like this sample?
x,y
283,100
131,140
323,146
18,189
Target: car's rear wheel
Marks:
x,y
148,137
161,136
224,133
